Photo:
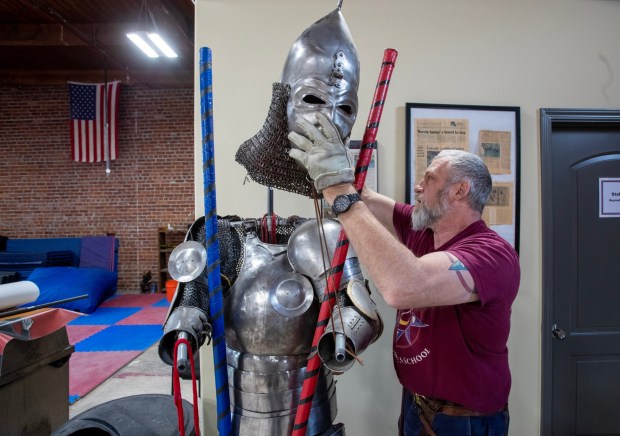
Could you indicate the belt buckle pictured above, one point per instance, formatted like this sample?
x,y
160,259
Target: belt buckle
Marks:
x,y
423,401
432,404
418,399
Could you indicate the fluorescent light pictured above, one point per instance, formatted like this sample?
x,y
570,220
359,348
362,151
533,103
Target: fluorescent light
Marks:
x,y
161,45
144,46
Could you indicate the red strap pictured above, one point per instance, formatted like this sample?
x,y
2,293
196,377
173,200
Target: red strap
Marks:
x,y
273,228
176,386
265,234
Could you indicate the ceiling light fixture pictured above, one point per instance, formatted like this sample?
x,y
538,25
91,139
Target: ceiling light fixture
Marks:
x,y
161,45
141,39
142,45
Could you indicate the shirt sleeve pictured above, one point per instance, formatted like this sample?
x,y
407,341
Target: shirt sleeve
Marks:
x,y
493,264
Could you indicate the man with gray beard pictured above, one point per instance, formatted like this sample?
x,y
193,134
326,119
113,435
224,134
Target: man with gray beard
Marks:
x,y
450,277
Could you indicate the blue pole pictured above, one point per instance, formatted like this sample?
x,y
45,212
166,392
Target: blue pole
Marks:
x,y
216,313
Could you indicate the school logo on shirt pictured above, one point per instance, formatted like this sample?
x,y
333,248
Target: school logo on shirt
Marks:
x,y
406,322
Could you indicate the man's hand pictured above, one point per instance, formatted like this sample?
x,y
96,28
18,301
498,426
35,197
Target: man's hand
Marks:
x,y
322,153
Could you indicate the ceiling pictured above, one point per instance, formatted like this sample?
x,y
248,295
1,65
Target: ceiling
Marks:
x,y
51,42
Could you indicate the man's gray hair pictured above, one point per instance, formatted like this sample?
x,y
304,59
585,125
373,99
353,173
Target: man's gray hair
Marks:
x,y
469,167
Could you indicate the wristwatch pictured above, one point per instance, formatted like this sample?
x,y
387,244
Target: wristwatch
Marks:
x,y
343,202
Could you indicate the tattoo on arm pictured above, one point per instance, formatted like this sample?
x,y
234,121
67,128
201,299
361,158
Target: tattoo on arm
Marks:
x,y
457,266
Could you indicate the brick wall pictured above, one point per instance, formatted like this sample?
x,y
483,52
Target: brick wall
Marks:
x,y
43,193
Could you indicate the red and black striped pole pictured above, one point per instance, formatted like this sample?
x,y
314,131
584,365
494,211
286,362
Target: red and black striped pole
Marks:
x,y
333,282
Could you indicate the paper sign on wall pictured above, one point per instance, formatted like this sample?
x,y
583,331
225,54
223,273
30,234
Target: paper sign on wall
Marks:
x,y
609,197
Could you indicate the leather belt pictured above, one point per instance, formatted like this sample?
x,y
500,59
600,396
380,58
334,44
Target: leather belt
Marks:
x,y
434,406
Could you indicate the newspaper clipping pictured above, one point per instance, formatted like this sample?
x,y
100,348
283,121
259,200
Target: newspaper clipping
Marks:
x,y
432,135
498,209
495,150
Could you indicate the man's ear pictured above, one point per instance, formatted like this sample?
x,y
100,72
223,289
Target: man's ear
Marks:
x,y
462,189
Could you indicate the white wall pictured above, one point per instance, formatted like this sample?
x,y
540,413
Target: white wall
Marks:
x,y
526,53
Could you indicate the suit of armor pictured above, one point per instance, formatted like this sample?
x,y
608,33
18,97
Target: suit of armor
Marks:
x,y
273,291
270,314
271,302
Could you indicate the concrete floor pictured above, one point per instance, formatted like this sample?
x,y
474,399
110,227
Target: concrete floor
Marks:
x,y
146,374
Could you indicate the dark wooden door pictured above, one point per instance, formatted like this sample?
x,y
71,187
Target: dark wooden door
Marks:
x,y
581,273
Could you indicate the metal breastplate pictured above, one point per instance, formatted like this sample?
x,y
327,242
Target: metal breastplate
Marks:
x,y
270,310
270,317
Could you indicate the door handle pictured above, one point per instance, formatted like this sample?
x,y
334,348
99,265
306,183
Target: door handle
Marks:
x,y
558,333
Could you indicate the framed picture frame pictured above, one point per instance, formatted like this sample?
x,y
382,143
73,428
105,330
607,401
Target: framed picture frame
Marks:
x,y
491,132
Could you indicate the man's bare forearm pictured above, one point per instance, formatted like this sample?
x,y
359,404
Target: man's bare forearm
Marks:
x,y
382,208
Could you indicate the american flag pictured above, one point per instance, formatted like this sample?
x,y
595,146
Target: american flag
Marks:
x,y
88,121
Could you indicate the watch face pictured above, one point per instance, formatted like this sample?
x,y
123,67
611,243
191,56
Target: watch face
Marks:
x,y
341,203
